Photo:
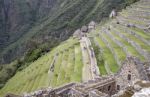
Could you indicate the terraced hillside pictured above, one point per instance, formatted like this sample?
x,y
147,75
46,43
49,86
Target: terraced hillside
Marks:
x,y
31,28
53,20
60,66
74,60
126,35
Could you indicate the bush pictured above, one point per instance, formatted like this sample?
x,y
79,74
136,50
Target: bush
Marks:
x,y
7,72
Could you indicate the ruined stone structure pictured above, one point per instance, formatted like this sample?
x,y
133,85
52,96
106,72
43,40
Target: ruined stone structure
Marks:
x,y
113,14
91,26
77,34
132,70
84,29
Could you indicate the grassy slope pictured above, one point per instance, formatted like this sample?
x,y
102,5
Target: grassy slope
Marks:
x,y
36,75
30,82
65,15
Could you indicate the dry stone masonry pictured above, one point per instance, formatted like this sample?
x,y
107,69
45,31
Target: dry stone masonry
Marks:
x,y
132,70
133,74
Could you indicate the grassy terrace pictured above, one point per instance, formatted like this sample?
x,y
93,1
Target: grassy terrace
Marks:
x,y
70,65
133,38
129,47
128,13
26,79
134,21
108,57
141,33
55,74
118,50
62,71
139,7
77,72
68,68
142,6
131,19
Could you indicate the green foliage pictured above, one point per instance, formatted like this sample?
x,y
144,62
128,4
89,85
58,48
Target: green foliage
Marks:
x,y
67,68
58,22
57,25
99,58
7,71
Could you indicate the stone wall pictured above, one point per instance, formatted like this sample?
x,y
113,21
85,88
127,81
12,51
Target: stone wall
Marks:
x,y
131,71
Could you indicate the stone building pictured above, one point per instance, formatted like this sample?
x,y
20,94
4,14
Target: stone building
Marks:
x,y
91,26
131,71
77,34
84,29
113,13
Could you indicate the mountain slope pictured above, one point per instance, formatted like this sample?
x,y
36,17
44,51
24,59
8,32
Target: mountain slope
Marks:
x,y
29,20
31,28
60,66
66,63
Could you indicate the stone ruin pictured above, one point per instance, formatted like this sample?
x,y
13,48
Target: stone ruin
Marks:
x,y
91,26
113,14
131,71
84,29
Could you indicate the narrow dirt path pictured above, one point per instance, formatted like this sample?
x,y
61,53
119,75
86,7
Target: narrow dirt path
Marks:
x,y
86,71
90,69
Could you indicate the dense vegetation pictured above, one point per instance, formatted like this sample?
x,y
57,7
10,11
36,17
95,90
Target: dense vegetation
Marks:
x,y
46,20
39,29
43,72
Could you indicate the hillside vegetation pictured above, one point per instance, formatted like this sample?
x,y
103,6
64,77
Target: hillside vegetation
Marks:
x,y
46,21
62,65
125,35
31,28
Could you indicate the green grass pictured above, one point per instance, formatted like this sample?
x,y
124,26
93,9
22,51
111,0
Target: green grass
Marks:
x,y
62,72
141,33
24,81
99,57
133,38
134,21
127,13
129,47
36,75
107,56
68,64
77,72
56,69
118,50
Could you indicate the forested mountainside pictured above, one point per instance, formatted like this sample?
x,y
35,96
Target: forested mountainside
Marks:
x,y
88,57
31,28
22,22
